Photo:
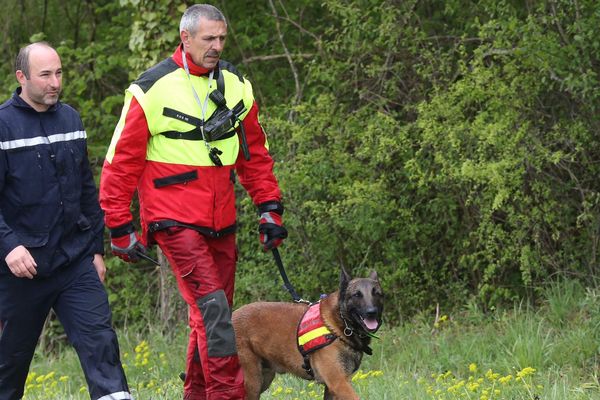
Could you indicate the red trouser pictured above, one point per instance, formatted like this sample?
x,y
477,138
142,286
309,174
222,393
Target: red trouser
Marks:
x,y
205,272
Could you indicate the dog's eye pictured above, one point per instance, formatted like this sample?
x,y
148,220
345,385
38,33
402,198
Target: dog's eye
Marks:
x,y
358,295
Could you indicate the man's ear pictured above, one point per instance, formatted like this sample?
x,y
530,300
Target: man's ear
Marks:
x,y
185,38
21,78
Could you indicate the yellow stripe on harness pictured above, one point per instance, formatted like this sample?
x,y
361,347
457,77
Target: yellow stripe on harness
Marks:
x,y
307,337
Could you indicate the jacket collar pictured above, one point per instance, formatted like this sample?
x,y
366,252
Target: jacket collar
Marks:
x,y
194,69
19,102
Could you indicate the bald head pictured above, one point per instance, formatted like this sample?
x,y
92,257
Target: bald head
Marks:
x,y
22,61
39,72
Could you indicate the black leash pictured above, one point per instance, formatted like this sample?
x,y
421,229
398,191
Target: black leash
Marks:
x,y
146,257
286,281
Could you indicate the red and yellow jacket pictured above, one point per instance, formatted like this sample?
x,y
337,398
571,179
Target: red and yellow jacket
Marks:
x,y
154,150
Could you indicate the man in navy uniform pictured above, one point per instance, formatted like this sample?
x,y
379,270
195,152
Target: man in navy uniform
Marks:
x,y
51,228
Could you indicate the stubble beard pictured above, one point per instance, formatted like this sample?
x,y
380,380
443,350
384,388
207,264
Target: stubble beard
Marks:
x,y
46,99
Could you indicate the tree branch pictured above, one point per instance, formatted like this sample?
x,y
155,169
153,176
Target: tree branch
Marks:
x,y
276,56
290,61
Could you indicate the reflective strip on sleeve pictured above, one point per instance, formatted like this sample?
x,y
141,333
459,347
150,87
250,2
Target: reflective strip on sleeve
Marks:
x,y
120,125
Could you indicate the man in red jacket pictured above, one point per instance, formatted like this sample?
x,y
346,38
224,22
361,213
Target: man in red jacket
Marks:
x,y
188,125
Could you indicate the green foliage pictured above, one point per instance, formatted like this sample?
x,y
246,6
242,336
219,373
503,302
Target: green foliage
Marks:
x,y
499,142
454,154
154,32
133,294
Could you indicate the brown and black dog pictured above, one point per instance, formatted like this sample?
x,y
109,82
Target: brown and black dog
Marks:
x,y
266,335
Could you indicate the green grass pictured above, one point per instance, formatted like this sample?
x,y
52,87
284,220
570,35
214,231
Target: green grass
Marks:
x,y
549,353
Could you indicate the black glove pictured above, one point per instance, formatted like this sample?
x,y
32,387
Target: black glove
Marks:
x,y
270,226
125,243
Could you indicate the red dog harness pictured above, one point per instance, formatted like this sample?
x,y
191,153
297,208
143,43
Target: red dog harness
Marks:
x,y
313,334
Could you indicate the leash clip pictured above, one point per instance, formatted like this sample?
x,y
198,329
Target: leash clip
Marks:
x,y
347,330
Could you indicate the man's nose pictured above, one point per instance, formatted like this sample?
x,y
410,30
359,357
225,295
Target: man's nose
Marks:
x,y
55,80
218,44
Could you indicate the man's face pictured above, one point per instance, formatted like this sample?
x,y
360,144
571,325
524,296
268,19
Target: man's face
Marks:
x,y
43,87
206,46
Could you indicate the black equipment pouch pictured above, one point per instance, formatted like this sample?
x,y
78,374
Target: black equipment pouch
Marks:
x,y
220,123
223,120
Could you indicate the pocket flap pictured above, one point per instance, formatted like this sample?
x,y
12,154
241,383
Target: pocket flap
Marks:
x,y
33,240
174,179
83,223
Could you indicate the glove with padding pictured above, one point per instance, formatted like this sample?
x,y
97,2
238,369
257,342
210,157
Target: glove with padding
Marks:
x,y
125,243
270,226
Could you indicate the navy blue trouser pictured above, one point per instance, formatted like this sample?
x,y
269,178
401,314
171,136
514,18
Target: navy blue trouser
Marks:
x,y
81,304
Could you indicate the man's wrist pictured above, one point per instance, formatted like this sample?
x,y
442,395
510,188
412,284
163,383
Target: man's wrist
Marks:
x,y
122,230
270,206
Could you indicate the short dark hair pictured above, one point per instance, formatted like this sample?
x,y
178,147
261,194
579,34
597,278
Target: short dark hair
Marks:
x,y
189,20
22,60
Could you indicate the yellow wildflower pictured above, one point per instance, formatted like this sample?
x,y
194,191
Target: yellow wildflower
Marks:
x,y
525,372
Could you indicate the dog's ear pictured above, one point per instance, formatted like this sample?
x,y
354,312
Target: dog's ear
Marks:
x,y
373,275
344,280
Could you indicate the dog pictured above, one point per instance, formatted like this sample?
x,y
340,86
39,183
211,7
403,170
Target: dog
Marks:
x,y
268,342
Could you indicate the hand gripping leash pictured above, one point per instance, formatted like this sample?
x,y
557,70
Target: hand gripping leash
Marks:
x,y
286,281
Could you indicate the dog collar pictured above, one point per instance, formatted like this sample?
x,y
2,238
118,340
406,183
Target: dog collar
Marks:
x,y
348,331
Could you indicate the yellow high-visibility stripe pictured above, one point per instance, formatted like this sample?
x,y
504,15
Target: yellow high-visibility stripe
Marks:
x,y
118,129
308,336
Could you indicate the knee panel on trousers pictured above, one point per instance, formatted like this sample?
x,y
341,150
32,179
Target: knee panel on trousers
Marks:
x,y
216,315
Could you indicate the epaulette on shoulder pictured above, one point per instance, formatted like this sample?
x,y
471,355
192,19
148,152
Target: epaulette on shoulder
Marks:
x,y
227,66
150,76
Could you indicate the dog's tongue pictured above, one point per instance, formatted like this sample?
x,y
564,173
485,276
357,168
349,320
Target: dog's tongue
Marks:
x,y
371,323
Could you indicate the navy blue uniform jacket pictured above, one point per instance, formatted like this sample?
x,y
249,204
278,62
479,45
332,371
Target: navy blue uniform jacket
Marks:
x,y
48,198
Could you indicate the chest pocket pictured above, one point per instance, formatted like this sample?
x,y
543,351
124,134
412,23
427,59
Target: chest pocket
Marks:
x,y
69,160
28,174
